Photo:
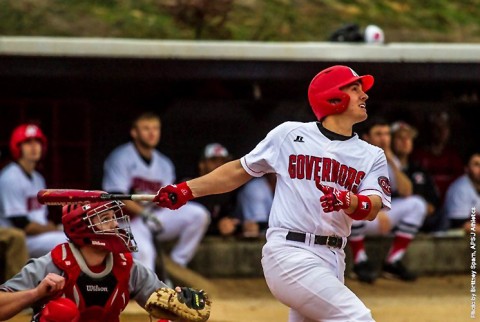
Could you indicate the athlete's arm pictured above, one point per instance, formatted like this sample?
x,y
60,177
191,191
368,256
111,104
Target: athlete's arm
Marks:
x,y
223,179
375,201
11,303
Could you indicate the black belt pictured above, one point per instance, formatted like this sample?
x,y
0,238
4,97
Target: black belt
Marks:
x,y
331,241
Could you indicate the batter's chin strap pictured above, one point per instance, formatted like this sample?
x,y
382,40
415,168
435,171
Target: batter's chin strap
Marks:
x,y
364,206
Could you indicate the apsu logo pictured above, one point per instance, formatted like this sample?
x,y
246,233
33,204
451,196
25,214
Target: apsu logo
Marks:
x,y
385,185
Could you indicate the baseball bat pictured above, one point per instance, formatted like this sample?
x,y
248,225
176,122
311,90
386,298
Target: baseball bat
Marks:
x,y
71,196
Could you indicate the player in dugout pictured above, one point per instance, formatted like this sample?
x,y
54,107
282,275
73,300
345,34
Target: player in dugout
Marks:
x,y
19,184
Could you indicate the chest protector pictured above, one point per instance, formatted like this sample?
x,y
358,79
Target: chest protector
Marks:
x,y
98,298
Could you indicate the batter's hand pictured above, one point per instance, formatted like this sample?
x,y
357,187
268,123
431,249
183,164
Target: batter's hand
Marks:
x,y
173,196
51,284
333,199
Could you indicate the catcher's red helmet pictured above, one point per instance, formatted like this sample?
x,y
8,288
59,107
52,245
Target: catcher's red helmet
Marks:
x,y
84,225
324,92
23,133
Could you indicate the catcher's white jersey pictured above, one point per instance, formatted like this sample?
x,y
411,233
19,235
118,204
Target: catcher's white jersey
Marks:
x,y
18,195
300,155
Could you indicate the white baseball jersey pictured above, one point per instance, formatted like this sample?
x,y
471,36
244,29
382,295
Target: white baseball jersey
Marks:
x,y
125,171
18,195
304,275
300,155
461,197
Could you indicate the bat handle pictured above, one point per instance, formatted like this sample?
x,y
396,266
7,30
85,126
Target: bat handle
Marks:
x,y
172,197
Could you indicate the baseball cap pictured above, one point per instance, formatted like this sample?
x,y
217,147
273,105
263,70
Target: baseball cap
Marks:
x,y
215,150
403,126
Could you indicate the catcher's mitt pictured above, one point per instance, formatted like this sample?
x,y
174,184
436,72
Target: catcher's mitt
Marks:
x,y
187,305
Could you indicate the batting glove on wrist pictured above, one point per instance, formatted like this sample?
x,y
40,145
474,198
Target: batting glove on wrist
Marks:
x,y
173,196
334,199
151,221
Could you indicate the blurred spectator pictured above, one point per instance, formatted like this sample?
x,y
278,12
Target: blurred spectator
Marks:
x,y
403,220
403,136
16,252
462,201
138,167
19,185
438,157
221,206
255,200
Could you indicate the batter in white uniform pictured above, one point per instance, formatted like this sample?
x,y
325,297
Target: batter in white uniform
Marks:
x,y
137,167
19,184
326,177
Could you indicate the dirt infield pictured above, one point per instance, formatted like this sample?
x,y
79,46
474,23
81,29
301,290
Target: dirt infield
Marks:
x,y
430,299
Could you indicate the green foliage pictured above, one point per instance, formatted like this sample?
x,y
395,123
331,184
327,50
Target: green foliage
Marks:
x,y
263,20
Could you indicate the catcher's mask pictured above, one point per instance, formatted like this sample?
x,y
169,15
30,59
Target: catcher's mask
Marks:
x,y
324,92
100,224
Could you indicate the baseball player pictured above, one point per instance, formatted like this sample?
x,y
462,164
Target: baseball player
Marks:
x,y
403,136
326,178
19,184
137,167
224,221
406,216
462,200
90,278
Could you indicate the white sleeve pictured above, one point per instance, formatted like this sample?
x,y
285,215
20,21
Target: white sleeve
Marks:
x,y
115,174
13,198
377,182
263,158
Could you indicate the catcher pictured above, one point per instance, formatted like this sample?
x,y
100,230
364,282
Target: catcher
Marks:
x,y
92,277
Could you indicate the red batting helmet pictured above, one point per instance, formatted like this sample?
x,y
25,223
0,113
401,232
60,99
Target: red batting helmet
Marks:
x,y
23,133
324,92
83,224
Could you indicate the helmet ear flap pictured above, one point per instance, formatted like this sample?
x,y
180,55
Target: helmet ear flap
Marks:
x,y
333,101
